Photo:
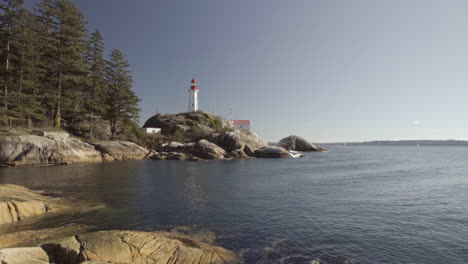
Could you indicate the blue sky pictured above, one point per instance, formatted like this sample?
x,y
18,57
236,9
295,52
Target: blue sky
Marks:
x,y
335,70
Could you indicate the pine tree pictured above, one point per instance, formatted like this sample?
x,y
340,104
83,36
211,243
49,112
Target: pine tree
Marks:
x,y
97,84
64,39
122,103
27,103
10,13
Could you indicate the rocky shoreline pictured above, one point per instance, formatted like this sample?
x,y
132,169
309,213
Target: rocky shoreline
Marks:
x,y
78,243
187,136
60,148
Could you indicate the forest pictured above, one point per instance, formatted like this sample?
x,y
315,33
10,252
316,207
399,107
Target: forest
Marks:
x,y
54,73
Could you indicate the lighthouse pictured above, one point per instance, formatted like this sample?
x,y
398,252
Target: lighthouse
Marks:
x,y
193,96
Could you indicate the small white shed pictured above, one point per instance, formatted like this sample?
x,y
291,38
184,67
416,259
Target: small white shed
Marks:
x,y
152,130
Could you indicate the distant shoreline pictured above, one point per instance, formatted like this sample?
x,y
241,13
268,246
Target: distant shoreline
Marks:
x,y
421,143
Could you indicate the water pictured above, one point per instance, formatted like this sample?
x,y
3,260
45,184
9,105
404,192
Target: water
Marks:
x,y
366,204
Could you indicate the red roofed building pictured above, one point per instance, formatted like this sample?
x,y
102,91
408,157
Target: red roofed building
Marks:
x,y
241,124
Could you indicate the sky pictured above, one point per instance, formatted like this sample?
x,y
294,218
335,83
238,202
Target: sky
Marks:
x,y
327,70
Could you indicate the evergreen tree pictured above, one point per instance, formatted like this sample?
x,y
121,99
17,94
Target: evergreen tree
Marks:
x,y
10,13
97,84
64,39
121,102
51,71
28,73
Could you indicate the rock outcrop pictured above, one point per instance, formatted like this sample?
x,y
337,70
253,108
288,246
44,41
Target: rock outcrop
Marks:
x,y
173,156
41,150
17,203
298,144
202,149
237,154
237,139
177,147
49,148
272,152
203,121
200,135
121,150
122,247
207,150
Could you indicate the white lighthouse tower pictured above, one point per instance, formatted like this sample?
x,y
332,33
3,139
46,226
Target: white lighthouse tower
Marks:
x,y
193,96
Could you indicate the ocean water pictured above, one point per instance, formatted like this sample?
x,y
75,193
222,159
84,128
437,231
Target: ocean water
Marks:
x,y
360,204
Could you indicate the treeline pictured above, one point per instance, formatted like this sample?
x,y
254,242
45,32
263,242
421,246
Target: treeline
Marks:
x,y
53,73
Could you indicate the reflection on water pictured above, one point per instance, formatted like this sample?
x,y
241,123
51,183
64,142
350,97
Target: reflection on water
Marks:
x,y
194,197
361,204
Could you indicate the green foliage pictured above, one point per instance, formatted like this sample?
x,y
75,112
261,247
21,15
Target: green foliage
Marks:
x,y
121,101
96,86
64,47
201,118
53,73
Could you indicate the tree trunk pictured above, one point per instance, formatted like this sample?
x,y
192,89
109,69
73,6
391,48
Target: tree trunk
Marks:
x,y
21,77
7,57
91,125
7,67
93,95
58,108
112,130
75,109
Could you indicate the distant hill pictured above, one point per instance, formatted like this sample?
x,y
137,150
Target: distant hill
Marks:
x,y
403,143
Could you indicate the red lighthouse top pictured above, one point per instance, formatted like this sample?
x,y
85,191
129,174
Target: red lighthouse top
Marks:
x,y
194,84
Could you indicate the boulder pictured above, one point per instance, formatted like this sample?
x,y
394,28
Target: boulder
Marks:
x,y
174,147
272,152
136,247
298,144
237,154
244,140
38,150
176,156
17,203
207,150
201,149
121,150
29,255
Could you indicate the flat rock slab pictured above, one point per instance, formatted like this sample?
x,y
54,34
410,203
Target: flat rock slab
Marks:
x,y
121,150
37,150
33,255
136,247
18,202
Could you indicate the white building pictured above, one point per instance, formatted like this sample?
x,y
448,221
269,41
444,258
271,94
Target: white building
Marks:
x,y
152,130
241,124
193,96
